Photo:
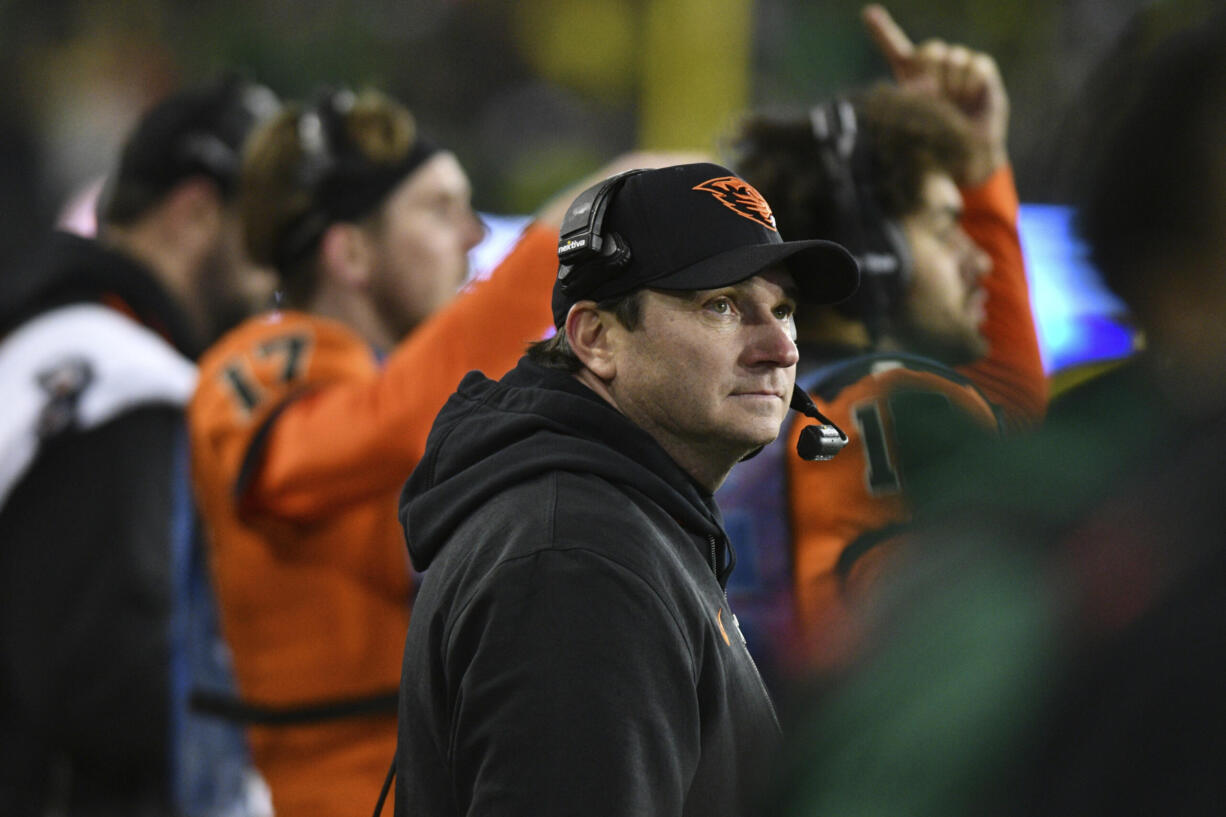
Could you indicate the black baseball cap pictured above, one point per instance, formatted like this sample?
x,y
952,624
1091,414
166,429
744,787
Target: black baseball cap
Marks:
x,y
198,130
685,227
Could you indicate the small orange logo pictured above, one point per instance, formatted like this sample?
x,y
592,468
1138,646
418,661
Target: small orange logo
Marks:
x,y
741,198
719,620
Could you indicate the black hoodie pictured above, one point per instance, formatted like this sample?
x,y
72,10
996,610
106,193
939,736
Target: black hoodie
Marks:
x,y
571,649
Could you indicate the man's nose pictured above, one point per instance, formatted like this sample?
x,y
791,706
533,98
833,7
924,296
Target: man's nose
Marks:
x,y
773,343
475,232
976,263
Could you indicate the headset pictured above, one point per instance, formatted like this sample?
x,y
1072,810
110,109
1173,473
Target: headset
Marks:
x,y
324,139
582,238
817,443
196,132
326,152
340,178
877,242
216,148
586,248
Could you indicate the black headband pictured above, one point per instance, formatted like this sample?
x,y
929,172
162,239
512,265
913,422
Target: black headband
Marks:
x,y
350,187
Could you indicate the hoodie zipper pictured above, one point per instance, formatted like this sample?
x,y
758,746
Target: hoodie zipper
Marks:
x,y
770,702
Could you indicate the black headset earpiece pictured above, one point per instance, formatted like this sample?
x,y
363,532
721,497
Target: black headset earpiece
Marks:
x,y
323,136
329,159
816,442
877,242
582,238
321,139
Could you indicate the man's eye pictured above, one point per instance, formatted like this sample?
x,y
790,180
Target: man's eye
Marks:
x,y
785,311
721,306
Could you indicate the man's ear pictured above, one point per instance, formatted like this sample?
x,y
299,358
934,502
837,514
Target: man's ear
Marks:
x,y
588,333
347,254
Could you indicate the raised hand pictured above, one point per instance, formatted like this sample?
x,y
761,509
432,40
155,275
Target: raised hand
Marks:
x,y
969,79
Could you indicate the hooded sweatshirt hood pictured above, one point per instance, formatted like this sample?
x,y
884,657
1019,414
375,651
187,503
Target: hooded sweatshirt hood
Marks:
x,y
69,269
557,539
494,435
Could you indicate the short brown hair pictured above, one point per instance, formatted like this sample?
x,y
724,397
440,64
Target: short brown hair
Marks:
x,y
555,352
908,135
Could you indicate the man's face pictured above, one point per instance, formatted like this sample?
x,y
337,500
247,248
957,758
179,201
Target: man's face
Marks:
x,y
709,374
944,306
425,230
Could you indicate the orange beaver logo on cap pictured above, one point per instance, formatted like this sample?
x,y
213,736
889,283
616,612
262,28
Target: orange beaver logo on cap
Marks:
x,y
740,197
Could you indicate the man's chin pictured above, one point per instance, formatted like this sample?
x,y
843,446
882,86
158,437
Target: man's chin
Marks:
x,y
761,434
973,347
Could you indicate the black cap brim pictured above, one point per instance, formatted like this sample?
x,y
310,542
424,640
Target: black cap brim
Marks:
x,y
824,272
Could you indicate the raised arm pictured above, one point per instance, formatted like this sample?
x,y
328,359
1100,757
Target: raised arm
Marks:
x,y
1011,373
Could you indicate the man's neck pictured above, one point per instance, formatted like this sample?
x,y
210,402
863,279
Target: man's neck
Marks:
x,y
355,311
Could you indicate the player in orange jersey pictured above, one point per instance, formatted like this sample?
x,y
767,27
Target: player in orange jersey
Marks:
x,y
308,420
914,178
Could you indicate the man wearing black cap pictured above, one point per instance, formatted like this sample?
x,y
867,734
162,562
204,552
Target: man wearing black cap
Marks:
x,y
571,649
100,580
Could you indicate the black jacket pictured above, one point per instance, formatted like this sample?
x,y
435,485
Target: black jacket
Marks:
x,y
571,650
85,562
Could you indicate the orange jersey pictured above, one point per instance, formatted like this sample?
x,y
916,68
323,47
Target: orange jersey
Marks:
x,y
861,491
301,443
843,512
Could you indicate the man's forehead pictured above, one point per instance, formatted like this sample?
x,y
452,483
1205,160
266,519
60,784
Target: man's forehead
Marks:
x,y
441,174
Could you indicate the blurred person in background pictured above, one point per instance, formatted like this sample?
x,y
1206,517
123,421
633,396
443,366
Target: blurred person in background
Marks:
x,y
938,345
1056,642
308,420
106,616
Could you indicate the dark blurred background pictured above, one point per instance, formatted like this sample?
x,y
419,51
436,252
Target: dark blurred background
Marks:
x,y
529,93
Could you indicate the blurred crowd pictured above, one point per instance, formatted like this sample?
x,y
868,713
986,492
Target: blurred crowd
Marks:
x,y
967,595
507,76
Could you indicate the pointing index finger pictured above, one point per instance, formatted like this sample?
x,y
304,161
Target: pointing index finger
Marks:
x,y
894,43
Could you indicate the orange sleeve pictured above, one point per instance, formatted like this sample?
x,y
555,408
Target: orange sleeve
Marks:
x,y
1011,374
350,439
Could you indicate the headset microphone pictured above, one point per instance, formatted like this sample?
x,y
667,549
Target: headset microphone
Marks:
x,y
816,442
